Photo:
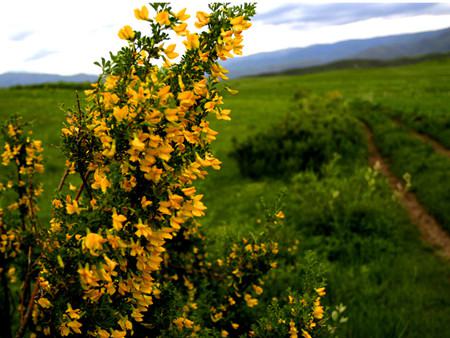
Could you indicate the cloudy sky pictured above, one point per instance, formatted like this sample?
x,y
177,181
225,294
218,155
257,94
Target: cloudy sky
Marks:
x,y
66,37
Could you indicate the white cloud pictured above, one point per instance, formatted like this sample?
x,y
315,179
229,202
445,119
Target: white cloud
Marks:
x,y
81,32
265,37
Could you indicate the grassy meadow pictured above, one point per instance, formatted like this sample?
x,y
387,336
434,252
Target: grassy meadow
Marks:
x,y
340,210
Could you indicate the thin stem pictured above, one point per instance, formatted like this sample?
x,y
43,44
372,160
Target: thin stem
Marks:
x,y
78,103
5,320
85,184
79,191
25,291
26,319
63,179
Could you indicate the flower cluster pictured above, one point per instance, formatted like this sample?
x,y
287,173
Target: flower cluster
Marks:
x,y
298,315
21,161
241,274
134,151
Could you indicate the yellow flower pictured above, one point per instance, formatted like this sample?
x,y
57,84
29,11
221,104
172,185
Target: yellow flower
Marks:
x,y
218,71
216,317
162,18
143,230
93,203
7,155
280,215
118,220
179,323
321,291
182,16
203,19
39,168
57,203
125,324
197,206
170,52
110,100
73,208
171,114
164,92
75,326
232,91
180,29
11,130
235,326
103,333
189,191
164,207
110,149
100,181
120,113
251,302
305,334
64,330
191,41
187,99
87,277
293,330
224,333
126,33
73,313
239,24
145,202
44,302
118,334
111,82
209,106
223,114
318,309
188,323
137,144
93,242
259,290
141,14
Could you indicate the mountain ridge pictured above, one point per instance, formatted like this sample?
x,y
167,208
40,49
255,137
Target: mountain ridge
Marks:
x,y
10,79
378,48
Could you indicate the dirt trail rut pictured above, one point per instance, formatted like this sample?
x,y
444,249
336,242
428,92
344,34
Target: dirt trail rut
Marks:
x,y
430,229
438,147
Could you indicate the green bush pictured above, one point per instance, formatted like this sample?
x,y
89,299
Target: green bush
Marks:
x,y
349,214
304,140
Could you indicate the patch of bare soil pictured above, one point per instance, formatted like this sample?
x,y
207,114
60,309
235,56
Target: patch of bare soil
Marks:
x,y
430,229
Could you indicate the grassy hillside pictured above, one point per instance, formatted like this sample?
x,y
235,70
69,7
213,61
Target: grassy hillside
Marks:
x,y
392,284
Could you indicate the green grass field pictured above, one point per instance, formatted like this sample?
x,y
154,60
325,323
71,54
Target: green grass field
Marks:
x,y
391,282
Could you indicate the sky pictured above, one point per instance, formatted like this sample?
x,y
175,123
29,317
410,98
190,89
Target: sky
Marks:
x,y
66,37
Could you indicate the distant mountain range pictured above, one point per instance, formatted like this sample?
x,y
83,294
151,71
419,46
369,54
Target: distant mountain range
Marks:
x,y
381,48
23,79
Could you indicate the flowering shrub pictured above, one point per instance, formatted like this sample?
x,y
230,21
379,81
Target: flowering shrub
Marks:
x,y
124,254
21,161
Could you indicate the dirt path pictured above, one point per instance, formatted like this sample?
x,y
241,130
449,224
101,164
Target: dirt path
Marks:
x,y
438,147
431,231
